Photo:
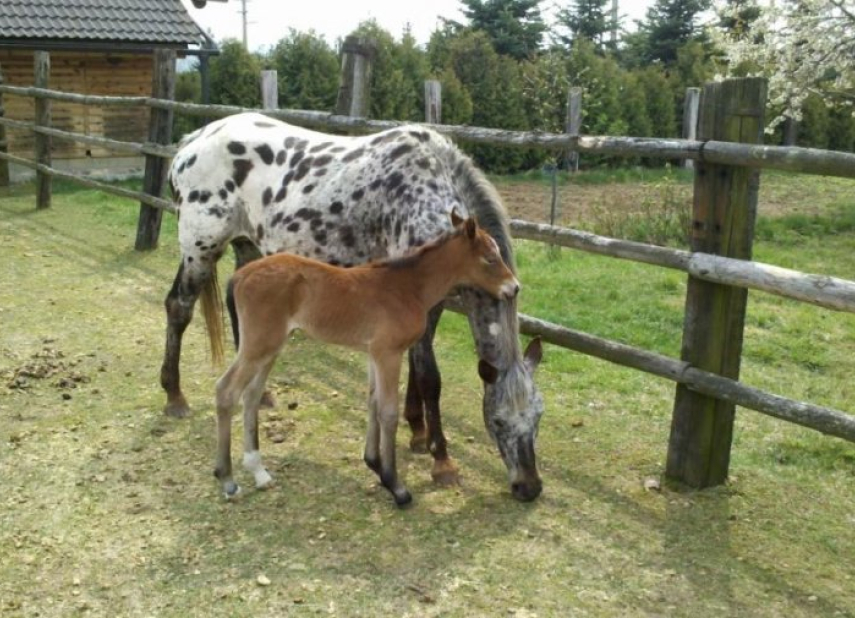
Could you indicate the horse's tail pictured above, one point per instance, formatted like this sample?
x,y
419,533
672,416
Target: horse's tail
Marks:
x,y
212,309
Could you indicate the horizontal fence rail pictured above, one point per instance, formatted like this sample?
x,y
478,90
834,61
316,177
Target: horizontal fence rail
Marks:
x,y
826,420
787,158
155,202
821,290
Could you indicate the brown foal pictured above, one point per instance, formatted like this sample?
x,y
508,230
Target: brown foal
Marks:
x,y
380,308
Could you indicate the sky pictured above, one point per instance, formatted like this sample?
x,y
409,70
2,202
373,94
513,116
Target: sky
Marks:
x,y
268,21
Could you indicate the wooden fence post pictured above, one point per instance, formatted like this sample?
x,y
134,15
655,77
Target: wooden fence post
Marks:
x,y
41,67
354,93
724,211
433,101
4,147
574,124
690,119
269,90
159,132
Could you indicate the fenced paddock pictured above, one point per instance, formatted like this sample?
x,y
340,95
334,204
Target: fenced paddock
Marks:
x,y
597,542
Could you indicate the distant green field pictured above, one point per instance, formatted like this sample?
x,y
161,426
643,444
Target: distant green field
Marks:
x,y
111,509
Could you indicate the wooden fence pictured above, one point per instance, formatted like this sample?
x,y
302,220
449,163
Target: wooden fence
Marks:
x,y
727,157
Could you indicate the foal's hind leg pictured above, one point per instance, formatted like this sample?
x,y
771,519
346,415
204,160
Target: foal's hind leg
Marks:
x,y
179,311
429,383
229,388
251,453
245,252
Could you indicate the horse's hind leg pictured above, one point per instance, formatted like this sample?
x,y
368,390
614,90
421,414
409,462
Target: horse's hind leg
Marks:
x,y
251,452
179,311
429,383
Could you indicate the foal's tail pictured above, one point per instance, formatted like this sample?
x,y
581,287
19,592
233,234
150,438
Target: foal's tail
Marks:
x,y
212,309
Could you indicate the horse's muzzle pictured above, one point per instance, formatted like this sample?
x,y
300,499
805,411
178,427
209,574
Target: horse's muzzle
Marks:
x,y
526,491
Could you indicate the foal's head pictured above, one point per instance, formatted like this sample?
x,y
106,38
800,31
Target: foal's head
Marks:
x,y
484,266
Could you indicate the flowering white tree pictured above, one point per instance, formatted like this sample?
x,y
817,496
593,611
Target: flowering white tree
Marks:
x,y
801,46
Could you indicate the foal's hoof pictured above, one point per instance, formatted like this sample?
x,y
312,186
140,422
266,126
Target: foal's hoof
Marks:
x,y
263,480
267,400
177,408
231,490
445,474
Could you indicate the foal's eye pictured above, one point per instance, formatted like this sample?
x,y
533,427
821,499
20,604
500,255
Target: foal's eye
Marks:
x,y
489,260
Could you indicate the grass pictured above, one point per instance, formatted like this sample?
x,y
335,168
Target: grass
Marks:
x,y
110,508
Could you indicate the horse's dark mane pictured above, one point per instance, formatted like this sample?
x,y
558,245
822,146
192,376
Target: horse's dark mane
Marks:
x,y
481,197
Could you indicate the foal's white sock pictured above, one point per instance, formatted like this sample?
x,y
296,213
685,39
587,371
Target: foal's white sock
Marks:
x,y
252,462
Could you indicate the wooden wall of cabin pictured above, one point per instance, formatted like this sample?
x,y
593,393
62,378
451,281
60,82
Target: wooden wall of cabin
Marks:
x,y
82,73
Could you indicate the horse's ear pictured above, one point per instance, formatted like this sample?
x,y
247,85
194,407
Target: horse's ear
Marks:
x,y
487,372
471,227
533,354
456,219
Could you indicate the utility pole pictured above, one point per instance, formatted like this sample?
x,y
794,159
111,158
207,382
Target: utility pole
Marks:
x,y
243,16
614,23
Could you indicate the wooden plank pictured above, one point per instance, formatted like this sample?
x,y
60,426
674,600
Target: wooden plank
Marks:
x,y
354,94
690,119
269,90
574,124
160,132
724,212
433,101
41,69
4,146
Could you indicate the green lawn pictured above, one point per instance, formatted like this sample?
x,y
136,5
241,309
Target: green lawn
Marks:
x,y
111,509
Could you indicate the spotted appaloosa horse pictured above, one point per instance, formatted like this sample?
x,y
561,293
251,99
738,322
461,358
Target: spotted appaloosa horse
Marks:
x,y
269,187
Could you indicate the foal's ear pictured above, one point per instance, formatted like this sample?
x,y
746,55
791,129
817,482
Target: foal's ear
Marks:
x,y
471,227
487,372
456,219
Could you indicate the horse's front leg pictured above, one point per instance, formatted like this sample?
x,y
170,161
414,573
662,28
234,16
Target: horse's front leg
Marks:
x,y
414,409
388,369
429,384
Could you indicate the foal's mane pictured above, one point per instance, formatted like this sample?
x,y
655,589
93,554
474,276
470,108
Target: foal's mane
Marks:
x,y
413,257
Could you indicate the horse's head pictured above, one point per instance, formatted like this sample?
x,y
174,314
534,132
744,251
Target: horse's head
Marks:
x,y
485,267
512,409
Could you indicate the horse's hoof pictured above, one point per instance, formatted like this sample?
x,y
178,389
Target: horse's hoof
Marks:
x,y
267,400
403,498
445,475
177,409
419,444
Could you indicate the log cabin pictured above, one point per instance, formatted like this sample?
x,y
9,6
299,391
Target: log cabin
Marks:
x,y
100,47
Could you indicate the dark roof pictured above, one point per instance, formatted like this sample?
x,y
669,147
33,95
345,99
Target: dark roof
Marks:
x,y
139,22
